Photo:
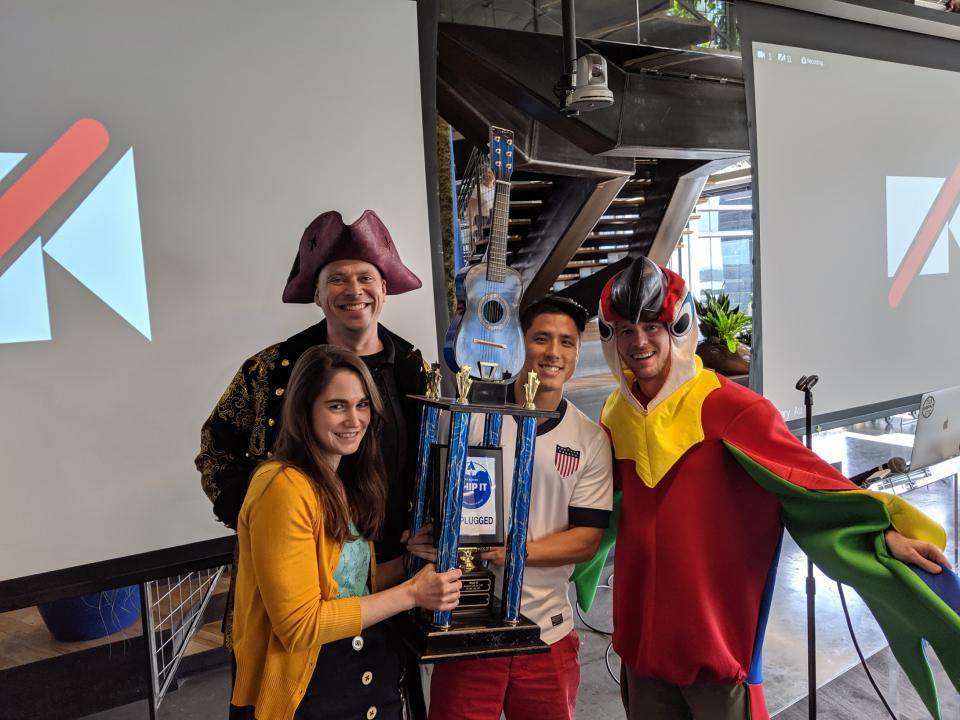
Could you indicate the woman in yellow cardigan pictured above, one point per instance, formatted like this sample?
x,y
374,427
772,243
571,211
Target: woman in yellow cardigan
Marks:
x,y
306,637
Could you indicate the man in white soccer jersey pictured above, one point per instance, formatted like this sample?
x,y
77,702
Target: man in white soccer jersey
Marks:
x,y
570,507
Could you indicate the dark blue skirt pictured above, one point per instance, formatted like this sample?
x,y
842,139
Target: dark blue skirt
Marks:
x,y
359,677
355,678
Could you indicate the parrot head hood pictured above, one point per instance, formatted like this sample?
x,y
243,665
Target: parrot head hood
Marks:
x,y
647,292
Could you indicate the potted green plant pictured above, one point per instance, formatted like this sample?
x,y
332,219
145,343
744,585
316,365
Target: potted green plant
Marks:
x,y
723,328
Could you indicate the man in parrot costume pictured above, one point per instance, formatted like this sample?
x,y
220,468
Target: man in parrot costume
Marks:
x,y
710,475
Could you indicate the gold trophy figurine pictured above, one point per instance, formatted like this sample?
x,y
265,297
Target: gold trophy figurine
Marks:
x,y
530,390
463,385
432,375
428,379
466,560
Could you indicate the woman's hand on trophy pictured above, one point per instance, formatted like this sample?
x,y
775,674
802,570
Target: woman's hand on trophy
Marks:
x,y
436,591
496,555
421,544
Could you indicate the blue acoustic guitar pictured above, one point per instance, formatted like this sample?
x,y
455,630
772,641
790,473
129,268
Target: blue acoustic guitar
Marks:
x,y
485,334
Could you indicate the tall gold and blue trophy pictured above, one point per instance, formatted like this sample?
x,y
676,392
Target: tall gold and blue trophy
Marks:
x,y
457,486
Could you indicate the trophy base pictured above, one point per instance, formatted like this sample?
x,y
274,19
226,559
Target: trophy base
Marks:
x,y
470,637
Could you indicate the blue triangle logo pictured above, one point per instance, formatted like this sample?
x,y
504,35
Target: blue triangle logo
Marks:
x,y
24,316
908,201
8,161
101,246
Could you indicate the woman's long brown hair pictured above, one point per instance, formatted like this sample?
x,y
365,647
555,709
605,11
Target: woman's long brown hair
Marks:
x,y
363,482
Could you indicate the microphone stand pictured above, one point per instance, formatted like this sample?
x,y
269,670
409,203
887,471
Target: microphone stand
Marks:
x,y
805,384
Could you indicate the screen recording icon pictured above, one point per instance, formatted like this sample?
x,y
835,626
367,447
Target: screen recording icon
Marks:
x,y
782,57
922,215
99,244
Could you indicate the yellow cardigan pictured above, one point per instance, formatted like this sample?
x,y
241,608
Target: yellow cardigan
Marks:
x,y
286,597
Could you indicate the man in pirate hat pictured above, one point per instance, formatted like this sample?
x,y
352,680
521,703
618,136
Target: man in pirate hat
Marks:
x,y
709,475
347,270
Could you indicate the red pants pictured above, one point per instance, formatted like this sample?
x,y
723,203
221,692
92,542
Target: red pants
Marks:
x,y
524,687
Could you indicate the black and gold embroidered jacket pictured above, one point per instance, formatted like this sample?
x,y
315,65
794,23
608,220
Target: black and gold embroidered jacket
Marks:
x,y
241,429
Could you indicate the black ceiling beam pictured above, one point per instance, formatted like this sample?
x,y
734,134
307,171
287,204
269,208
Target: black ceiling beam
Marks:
x,y
653,115
472,109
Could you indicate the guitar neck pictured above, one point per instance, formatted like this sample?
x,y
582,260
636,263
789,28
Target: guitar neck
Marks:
x,y
497,254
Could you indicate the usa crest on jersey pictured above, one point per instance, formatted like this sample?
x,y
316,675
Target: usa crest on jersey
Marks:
x,y
567,460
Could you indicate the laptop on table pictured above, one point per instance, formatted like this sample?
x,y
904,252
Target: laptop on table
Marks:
x,y
936,440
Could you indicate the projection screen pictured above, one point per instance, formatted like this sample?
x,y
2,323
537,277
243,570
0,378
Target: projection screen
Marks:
x,y
158,164
857,186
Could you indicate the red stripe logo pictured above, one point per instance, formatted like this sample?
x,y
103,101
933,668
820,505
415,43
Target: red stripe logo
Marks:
x,y
99,243
49,178
940,213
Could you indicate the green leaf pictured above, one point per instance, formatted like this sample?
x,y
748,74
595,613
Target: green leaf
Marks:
x,y
720,322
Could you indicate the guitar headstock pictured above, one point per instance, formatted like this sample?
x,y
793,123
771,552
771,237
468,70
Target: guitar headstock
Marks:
x,y
501,153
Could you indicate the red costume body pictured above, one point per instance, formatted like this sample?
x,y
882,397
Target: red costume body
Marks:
x,y
693,561
709,473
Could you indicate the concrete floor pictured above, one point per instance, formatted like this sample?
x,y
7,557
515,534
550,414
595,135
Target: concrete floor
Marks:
x,y
206,696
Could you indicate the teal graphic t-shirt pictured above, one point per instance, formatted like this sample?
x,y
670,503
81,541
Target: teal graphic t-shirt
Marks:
x,y
353,568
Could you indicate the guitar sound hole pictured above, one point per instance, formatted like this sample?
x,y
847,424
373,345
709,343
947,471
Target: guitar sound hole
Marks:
x,y
493,312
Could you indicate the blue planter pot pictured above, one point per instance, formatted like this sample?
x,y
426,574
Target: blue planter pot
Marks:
x,y
92,616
